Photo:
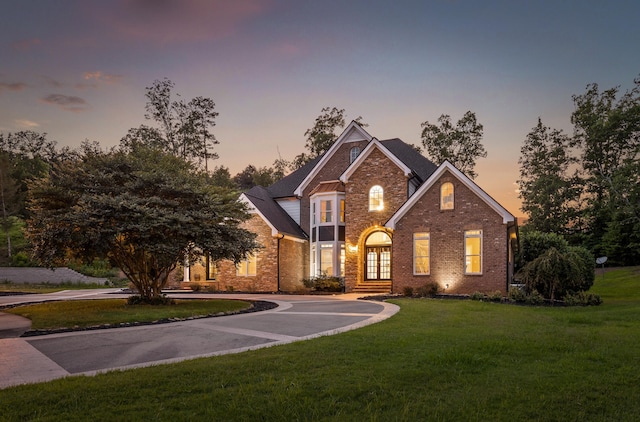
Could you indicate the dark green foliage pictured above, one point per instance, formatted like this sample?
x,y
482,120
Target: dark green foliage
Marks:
x,y
582,299
460,145
145,210
534,243
428,289
154,301
324,283
554,274
407,291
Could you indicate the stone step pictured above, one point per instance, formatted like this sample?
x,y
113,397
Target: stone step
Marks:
x,y
373,287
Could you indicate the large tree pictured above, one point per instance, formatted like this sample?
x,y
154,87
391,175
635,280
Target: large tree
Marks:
x,y
143,209
607,127
550,195
184,128
460,144
323,134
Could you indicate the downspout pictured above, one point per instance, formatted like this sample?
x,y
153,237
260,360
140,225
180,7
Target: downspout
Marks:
x,y
278,237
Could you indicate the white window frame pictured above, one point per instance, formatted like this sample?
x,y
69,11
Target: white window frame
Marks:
x,y
473,234
247,267
422,236
447,202
353,154
376,198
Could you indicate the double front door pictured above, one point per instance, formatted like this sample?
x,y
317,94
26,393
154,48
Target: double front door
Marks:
x,y
378,263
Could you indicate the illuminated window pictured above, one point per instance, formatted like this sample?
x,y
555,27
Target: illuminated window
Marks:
x,y
326,259
421,253
446,196
343,257
212,269
473,252
325,211
376,202
353,154
342,211
313,213
247,267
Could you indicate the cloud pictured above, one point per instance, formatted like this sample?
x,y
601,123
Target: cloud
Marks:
x,y
29,124
26,45
99,76
176,21
67,102
12,86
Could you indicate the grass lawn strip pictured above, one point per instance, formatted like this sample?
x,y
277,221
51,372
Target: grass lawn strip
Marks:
x,y
435,360
78,314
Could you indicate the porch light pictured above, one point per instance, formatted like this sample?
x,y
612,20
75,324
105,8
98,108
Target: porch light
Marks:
x,y
352,248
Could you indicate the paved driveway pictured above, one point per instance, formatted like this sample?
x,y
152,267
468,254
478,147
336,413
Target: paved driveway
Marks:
x,y
43,358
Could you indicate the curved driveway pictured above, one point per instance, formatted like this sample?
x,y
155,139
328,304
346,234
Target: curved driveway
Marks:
x,y
43,358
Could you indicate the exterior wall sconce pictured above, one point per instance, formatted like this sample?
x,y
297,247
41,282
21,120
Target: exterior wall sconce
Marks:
x,y
352,248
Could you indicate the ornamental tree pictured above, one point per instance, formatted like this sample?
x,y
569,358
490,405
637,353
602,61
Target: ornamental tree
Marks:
x,y
143,209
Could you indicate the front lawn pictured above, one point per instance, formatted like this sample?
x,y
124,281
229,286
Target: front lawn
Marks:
x,y
440,360
87,313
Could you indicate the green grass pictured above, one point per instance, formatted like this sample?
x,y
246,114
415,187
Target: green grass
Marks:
x,y
42,288
440,360
87,313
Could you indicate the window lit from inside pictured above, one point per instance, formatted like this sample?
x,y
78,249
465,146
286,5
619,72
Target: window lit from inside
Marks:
x,y
473,251
421,253
247,267
446,196
376,200
325,212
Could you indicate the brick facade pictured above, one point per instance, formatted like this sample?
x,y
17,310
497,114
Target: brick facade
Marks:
x,y
446,229
376,169
284,261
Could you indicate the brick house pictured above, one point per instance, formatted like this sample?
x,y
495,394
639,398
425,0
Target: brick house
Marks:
x,y
378,214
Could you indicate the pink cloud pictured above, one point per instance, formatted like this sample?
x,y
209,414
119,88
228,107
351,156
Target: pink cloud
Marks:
x,y
99,76
66,102
176,21
12,86
26,123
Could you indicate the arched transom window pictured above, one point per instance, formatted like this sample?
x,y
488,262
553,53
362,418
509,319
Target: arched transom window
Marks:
x,y
376,200
446,196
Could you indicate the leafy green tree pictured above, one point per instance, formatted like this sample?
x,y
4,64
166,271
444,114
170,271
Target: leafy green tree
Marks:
x,y
184,128
607,127
550,195
143,209
460,144
322,135
8,194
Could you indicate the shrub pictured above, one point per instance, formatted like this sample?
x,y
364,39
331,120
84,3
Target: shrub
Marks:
x,y
21,259
477,296
534,244
408,291
582,299
495,296
154,301
535,298
196,287
517,295
324,283
428,289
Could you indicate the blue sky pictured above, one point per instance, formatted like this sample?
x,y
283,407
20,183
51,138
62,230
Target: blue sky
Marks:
x,y
78,69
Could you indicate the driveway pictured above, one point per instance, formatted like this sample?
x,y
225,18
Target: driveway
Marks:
x,y
43,358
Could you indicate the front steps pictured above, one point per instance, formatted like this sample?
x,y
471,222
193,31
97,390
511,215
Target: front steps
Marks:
x,y
373,287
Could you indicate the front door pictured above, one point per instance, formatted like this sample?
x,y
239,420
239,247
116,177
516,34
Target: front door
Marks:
x,y
378,257
378,263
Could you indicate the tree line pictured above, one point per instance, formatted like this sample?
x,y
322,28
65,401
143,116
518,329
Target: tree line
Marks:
x,y
583,186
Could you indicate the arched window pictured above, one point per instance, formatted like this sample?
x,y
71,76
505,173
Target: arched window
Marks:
x,y
353,154
376,201
446,196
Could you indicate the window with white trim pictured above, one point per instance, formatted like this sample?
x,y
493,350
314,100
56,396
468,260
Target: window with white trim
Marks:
x,y
325,212
376,198
247,267
473,252
353,154
421,252
446,196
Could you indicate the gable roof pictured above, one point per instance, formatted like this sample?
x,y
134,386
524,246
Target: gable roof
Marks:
x,y
286,186
507,217
418,163
374,144
260,201
353,132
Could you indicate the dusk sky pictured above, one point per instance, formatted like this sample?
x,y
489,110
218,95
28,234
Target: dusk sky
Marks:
x,y
77,69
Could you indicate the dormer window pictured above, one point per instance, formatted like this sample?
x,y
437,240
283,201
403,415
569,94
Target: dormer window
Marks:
x,y
376,200
353,154
446,196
